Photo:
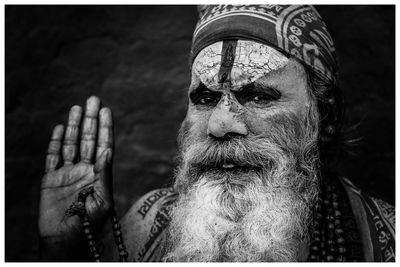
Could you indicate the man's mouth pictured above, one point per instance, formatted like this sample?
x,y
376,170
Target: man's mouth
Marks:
x,y
229,166
232,167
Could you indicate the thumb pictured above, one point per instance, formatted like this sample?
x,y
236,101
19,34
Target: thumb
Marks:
x,y
103,166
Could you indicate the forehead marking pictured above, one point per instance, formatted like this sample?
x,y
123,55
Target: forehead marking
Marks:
x,y
227,59
236,63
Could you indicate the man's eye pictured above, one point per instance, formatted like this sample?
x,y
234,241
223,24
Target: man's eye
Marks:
x,y
207,100
261,98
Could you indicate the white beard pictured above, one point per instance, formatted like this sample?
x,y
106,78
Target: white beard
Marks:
x,y
252,215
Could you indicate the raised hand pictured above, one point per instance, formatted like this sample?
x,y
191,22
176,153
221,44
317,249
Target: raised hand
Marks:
x,y
79,156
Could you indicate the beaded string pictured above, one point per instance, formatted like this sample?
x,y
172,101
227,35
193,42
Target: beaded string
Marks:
x,y
119,241
332,215
78,208
327,237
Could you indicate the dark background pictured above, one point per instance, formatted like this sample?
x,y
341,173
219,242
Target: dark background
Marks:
x,y
135,58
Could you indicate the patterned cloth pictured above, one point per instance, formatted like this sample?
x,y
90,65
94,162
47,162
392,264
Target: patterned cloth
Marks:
x,y
293,30
376,223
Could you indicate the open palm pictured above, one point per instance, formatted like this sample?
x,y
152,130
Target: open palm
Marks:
x,y
79,156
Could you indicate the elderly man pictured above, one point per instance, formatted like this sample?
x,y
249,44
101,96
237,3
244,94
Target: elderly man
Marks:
x,y
252,183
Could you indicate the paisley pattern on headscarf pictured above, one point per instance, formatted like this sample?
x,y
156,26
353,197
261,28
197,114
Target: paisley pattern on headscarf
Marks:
x,y
297,31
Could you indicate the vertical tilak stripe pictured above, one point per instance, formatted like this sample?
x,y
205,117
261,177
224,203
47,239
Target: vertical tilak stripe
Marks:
x,y
227,58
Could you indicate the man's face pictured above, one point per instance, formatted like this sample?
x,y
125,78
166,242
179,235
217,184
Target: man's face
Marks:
x,y
260,84
247,176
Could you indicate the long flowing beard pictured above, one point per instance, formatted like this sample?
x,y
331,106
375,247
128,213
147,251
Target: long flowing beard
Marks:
x,y
258,212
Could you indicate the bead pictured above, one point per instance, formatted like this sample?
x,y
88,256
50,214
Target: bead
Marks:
x,y
337,213
117,233
331,101
335,204
331,226
314,248
331,242
87,231
330,129
340,240
116,226
337,222
89,236
334,196
314,257
316,232
332,250
329,257
119,240
123,253
330,218
92,243
339,231
114,219
121,247
341,249
341,258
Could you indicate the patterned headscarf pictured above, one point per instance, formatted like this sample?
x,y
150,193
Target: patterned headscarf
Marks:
x,y
293,30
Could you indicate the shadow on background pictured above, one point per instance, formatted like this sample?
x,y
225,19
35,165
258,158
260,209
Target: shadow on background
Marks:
x,y
135,59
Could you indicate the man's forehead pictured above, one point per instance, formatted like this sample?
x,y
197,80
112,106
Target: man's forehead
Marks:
x,y
238,62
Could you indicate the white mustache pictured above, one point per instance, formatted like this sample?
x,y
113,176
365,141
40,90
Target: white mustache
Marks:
x,y
250,152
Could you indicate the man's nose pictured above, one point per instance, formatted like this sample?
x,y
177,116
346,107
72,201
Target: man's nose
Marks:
x,y
225,121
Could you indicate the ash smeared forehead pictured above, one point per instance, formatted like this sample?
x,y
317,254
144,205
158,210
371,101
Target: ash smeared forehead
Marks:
x,y
251,60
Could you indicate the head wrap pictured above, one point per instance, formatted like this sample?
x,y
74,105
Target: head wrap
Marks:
x,y
293,30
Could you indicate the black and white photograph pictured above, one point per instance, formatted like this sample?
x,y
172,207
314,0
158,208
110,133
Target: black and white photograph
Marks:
x,y
199,133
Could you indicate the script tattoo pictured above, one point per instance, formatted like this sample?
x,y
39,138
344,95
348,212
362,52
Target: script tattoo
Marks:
x,y
153,198
160,222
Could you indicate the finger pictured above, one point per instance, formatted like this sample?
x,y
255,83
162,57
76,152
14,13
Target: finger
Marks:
x,y
70,146
105,138
103,167
89,129
103,162
53,152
